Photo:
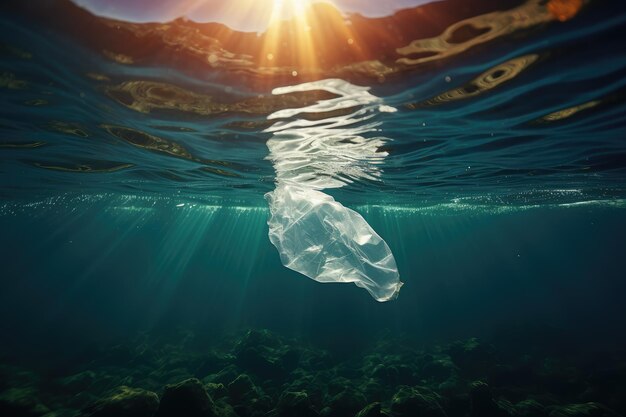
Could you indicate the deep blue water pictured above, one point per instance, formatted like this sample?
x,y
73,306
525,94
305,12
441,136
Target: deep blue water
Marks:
x,y
503,201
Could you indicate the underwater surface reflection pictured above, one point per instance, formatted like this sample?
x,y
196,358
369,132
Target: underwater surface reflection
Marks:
x,y
491,104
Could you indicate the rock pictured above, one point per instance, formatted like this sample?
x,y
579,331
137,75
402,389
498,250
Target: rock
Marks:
x,y
317,360
439,368
438,371
240,387
506,408
583,410
451,386
482,403
263,354
21,402
371,410
416,401
472,357
14,377
300,381
295,404
223,409
337,384
315,387
386,374
404,364
247,399
260,361
82,399
348,402
225,376
187,398
171,376
373,390
144,356
213,362
61,412
290,359
325,411
216,390
78,382
530,408
124,402
256,338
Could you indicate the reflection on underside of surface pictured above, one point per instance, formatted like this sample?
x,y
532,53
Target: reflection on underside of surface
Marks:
x,y
484,82
320,43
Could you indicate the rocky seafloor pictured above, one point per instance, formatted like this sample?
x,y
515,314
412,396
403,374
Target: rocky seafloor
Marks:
x,y
258,373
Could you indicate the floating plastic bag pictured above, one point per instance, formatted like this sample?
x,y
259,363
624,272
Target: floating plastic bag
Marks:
x,y
322,239
314,234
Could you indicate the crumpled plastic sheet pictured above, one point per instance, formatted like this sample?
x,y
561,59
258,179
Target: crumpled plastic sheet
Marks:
x,y
314,234
320,238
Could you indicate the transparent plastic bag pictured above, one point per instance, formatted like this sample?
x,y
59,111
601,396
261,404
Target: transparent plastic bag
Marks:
x,y
320,238
314,234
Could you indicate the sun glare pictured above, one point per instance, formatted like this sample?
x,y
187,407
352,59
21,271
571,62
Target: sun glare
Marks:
x,y
285,9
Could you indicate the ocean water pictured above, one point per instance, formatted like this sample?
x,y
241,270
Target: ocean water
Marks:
x,y
489,152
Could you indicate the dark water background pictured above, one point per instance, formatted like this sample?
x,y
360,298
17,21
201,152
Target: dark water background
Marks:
x,y
506,218
96,270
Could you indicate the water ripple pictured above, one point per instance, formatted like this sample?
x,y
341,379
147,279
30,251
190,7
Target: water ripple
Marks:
x,y
539,107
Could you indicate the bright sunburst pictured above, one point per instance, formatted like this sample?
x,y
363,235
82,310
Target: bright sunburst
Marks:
x,y
284,9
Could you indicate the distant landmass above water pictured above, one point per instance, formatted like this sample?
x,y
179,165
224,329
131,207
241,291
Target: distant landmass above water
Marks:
x,y
321,43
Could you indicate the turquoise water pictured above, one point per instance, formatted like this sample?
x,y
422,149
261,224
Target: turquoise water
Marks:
x,y
134,236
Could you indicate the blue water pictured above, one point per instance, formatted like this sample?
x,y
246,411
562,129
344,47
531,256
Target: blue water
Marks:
x,y
503,202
